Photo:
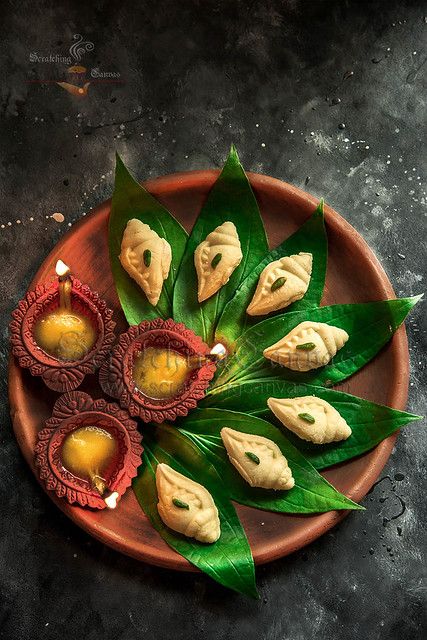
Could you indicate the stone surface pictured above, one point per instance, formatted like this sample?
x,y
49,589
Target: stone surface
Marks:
x,y
280,79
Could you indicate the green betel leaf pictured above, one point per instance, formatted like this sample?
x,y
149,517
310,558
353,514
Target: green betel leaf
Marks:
x,y
311,493
130,200
229,560
370,325
230,199
370,423
310,238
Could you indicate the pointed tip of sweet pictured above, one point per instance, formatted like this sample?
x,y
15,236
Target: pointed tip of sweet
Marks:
x,y
274,406
153,300
203,295
254,309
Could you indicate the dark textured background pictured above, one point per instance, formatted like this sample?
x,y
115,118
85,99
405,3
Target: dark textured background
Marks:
x,y
277,78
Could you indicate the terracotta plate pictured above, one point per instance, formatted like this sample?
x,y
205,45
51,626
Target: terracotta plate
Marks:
x,y
354,275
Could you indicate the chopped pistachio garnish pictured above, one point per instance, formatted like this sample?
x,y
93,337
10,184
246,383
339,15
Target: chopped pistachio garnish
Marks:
x,y
252,456
216,260
307,417
278,283
180,504
307,346
147,257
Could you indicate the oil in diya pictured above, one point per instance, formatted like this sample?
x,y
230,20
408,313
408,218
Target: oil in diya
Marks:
x,y
163,373
64,333
87,452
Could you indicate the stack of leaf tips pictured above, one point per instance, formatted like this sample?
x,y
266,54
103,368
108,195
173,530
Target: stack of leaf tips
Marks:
x,y
193,446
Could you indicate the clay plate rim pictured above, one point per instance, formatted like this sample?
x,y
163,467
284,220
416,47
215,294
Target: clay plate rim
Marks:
x,y
315,526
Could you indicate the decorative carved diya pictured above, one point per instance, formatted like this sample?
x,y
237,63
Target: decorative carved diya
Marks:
x,y
75,466
35,327
158,370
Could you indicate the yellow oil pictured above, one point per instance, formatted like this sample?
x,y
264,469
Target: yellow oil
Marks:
x,y
87,452
160,373
66,335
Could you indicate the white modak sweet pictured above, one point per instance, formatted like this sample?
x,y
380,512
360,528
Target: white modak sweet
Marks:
x,y
258,460
281,283
310,418
309,345
186,506
216,258
146,257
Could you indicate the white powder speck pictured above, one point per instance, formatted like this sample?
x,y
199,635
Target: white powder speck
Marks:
x,y
31,219
397,130
18,222
291,131
2,226
257,125
377,211
9,224
262,144
346,140
367,146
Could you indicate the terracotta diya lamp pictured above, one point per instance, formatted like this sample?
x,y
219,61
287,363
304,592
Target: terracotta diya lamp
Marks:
x,y
89,451
159,370
61,331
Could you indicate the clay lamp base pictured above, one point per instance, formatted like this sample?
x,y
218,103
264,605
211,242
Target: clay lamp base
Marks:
x,y
89,451
158,370
33,329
